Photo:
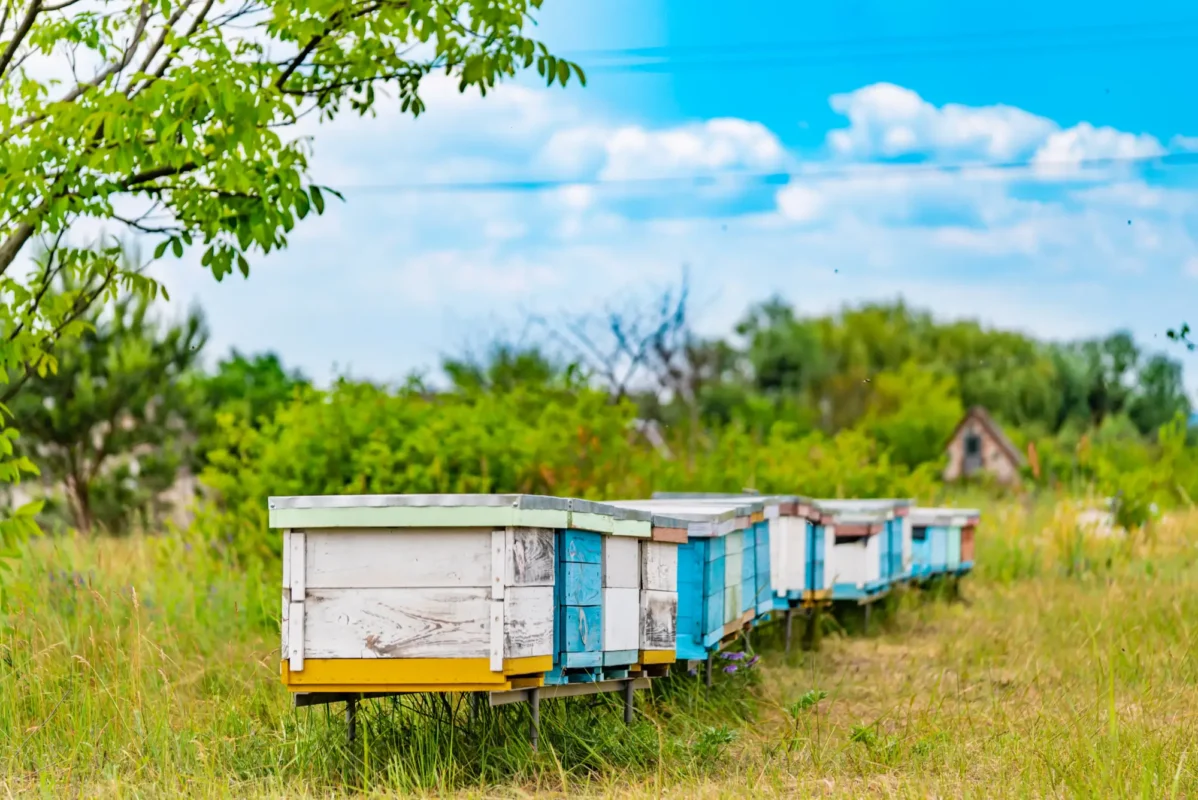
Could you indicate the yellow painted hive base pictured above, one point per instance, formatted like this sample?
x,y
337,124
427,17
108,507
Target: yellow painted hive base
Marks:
x,y
657,657
415,674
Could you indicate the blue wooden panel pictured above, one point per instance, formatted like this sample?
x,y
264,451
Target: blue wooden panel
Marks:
x,y
619,657
939,559
691,650
583,584
585,547
582,629
691,566
576,660
713,611
713,573
819,543
765,592
715,548
921,551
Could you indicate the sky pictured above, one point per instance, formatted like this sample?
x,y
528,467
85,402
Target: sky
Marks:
x,y
1019,163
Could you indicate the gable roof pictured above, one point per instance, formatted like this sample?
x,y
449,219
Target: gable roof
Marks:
x,y
987,422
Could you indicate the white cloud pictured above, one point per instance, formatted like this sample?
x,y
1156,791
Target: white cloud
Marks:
x,y
887,121
397,278
632,152
1064,150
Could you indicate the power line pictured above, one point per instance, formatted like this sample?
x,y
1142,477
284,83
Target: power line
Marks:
x,y
657,51
773,178
667,65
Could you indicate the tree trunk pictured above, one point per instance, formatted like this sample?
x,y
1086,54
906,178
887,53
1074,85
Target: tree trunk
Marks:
x,y
81,504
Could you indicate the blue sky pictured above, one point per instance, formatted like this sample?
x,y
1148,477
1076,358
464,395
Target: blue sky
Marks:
x,y
865,104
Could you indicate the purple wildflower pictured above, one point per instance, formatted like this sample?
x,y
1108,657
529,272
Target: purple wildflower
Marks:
x,y
733,656
693,672
731,668
752,661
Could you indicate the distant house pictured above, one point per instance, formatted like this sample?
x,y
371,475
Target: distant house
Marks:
x,y
979,446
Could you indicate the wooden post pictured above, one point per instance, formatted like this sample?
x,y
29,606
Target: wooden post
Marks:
x,y
867,608
534,708
710,667
351,717
789,617
628,702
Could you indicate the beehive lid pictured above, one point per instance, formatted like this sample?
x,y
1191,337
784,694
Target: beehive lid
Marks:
x,y
419,510
944,517
898,506
701,518
774,505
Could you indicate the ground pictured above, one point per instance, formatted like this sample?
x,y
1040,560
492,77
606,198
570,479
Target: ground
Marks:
x,y
142,667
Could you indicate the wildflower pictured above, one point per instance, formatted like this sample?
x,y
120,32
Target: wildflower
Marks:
x,y
733,656
752,661
693,672
731,668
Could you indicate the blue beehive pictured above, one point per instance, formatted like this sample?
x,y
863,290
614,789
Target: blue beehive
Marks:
x,y
597,593
710,574
942,540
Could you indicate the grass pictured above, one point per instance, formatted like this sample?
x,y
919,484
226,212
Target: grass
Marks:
x,y
142,667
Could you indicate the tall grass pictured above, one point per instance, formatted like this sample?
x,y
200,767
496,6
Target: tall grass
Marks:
x,y
147,667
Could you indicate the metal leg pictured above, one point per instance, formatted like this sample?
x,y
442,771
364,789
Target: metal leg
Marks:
x,y
628,704
710,667
351,717
534,708
789,618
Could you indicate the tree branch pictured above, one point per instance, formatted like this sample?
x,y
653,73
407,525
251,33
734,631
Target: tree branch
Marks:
x,y
19,36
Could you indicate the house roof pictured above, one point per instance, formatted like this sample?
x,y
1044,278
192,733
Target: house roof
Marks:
x,y
986,421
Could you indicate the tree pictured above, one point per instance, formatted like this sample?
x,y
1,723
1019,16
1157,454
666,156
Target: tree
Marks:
x,y
178,123
252,386
504,367
112,422
1159,395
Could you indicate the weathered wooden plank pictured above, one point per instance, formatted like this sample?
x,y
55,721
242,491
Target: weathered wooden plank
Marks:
x,y
659,615
391,558
734,569
659,566
287,559
582,628
621,618
675,535
399,623
528,621
583,584
530,556
298,570
582,547
498,563
621,563
296,646
497,635
283,626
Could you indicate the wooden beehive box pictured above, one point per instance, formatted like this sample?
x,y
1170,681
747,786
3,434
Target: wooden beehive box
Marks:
x,y
746,553
782,518
705,613
418,592
861,557
597,593
944,539
898,530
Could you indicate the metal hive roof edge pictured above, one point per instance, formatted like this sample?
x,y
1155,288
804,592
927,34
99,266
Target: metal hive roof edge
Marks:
x,y
517,501
764,499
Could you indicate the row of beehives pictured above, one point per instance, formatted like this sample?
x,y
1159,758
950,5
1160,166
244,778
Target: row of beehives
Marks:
x,y
413,593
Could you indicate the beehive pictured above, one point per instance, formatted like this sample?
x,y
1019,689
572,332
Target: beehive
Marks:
x,y
597,593
898,529
782,546
706,614
943,540
418,592
861,551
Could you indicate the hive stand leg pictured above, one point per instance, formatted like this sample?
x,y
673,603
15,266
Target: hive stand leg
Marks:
x,y
628,702
710,666
351,717
534,708
748,642
868,606
811,629
789,618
